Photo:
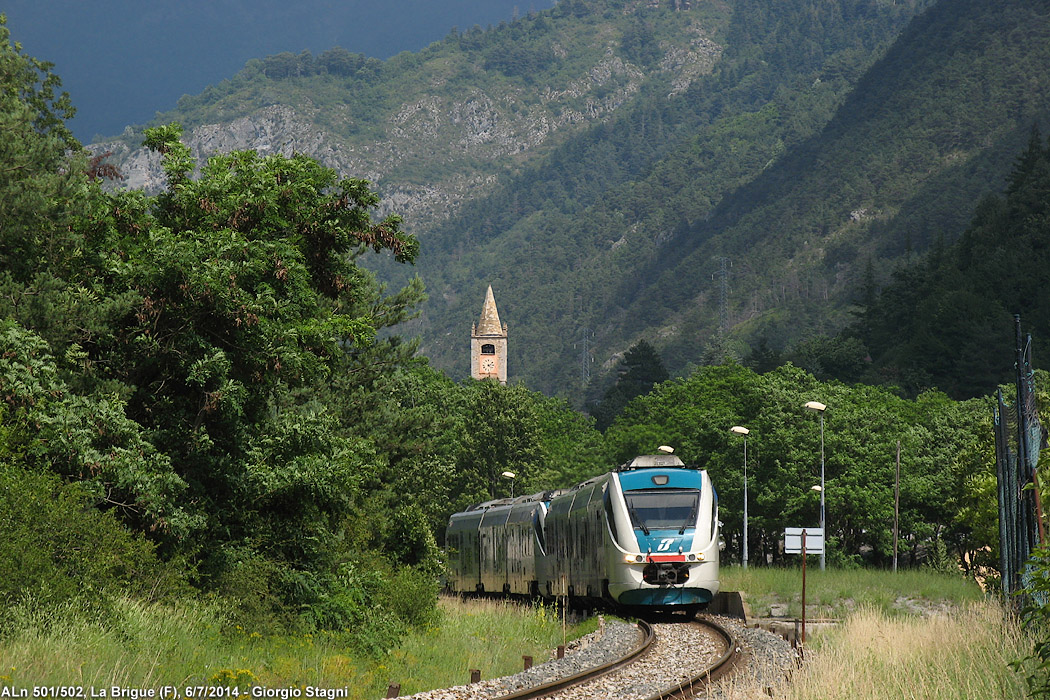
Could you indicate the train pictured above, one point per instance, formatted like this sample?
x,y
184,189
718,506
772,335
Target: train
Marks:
x,y
644,536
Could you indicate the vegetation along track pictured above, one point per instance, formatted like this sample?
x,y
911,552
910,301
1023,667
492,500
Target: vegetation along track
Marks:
x,y
672,660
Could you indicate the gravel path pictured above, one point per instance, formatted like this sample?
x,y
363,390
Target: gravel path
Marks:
x,y
766,662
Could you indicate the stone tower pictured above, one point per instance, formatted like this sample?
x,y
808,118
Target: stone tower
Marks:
x,y
488,344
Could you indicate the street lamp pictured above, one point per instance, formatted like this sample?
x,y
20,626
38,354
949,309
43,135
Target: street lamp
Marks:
x,y
819,408
510,475
741,430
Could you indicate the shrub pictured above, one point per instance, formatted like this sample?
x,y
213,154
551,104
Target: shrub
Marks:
x,y
58,549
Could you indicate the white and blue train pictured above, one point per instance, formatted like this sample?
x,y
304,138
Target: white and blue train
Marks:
x,y
643,536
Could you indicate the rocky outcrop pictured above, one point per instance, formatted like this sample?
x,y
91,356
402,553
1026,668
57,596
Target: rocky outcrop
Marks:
x,y
442,145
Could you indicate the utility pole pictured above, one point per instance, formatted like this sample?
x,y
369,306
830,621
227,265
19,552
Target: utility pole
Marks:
x,y
896,506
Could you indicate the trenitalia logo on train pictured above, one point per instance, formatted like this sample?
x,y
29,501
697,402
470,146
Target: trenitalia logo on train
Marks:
x,y
644,536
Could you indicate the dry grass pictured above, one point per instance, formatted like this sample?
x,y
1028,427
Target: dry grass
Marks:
x,y
964,654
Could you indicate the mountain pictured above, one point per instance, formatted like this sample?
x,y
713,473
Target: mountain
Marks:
x,y
122,60
611,166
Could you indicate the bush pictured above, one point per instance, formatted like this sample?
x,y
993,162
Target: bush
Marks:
x,y
59,550
1035,668
370,601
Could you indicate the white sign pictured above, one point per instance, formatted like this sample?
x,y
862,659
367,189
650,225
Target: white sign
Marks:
x,y
793,540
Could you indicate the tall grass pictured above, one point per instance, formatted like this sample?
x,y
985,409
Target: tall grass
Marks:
x,y
484,635
947,656
836,592
133,644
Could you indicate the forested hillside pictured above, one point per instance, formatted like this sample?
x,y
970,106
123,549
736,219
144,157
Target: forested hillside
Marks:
x,y
806,213
212,424
558,156
945,320
580,238
929,130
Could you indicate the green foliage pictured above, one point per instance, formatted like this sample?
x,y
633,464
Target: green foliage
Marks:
x,y
1036,614
501,434
862,426
639,370
945,321
844,359
30,82
58,550
40,185
85,437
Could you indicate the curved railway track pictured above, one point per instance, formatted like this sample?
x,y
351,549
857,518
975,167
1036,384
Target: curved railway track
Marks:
x,y
672,660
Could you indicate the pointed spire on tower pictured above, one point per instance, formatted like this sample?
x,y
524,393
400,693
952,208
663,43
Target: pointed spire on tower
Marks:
x,y
490,324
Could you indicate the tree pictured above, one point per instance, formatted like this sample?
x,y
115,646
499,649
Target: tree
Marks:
x,y
501,433
637,373
243,293
763,358
862,426
40,183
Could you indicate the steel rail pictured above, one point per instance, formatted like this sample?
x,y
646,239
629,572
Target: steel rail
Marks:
x,y
684,689
648,637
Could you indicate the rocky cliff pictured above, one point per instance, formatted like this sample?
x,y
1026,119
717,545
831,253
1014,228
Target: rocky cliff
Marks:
x,y
443,139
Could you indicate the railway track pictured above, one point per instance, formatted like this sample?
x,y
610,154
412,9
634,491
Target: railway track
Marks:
x,y
670,660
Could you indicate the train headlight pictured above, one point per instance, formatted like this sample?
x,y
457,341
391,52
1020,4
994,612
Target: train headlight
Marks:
x,y
633,558
692,557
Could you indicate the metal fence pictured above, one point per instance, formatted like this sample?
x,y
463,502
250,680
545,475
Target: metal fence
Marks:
x,y
1018,440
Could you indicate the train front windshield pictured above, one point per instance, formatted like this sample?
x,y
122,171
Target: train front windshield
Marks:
x,y
664,509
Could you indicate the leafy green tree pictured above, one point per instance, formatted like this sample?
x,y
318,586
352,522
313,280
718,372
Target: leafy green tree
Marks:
x,y
230,296
501,433
939,437
86,438
573,448
41,185
843,358
763,358
60,550
339,61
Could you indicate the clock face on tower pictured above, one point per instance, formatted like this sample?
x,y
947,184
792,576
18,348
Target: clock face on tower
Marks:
x,y
488,365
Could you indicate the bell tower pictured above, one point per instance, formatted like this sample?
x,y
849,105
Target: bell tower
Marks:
x,y
488,344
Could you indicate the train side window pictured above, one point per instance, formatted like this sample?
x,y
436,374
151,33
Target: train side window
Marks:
x,y
714,513
609,516
540,539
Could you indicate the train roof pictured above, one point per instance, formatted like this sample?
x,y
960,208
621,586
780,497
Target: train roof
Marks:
x,y
655,461
668,461
528,498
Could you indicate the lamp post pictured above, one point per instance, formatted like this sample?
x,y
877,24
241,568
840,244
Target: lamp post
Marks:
x,y
510,475
741,430
820,408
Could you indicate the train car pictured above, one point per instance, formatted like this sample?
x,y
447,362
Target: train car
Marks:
x,y
492,548
643,536
662,544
